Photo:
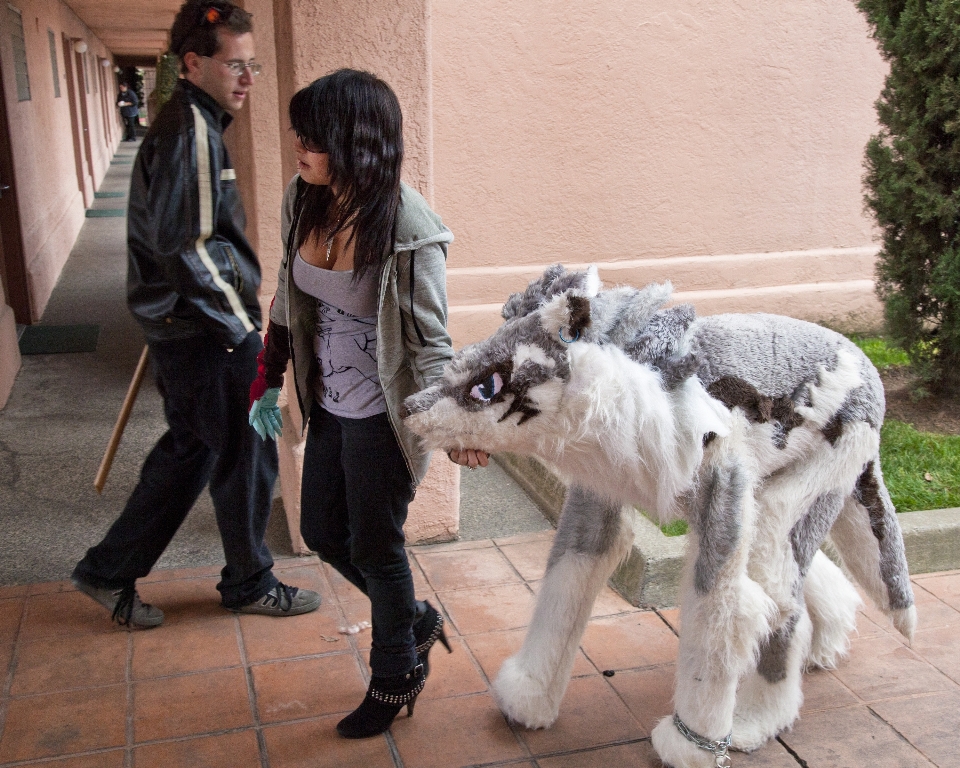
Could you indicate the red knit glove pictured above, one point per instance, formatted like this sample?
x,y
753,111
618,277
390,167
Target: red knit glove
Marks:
x,y
272,361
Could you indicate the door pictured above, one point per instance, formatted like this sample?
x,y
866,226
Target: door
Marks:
x,y
11,239
82,87
74,113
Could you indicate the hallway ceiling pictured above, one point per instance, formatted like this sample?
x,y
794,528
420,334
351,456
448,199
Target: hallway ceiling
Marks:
x,y
131,29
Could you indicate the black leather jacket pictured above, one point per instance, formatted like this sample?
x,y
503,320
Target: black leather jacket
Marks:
x,y
190,268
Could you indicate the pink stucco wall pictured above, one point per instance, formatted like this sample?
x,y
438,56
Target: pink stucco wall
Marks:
x,y
655,131
9,351
388,37
665,128
51,204
267,145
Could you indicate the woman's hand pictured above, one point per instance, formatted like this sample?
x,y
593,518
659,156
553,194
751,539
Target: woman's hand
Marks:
x,y
265,415
469,458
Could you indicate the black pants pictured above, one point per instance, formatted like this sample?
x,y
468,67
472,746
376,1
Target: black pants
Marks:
x,y
354,498
130,123
205,392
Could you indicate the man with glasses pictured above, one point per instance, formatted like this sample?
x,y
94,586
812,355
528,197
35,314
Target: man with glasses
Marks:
x,y
192,284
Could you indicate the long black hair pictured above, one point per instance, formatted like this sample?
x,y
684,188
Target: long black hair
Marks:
x,y
355,118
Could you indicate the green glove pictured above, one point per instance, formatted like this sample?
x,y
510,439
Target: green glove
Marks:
x,y
265,415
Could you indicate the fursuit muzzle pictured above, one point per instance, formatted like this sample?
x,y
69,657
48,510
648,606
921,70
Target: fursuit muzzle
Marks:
x,y
761,431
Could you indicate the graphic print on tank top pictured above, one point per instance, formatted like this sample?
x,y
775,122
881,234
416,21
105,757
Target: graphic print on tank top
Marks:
x,y
346,350
345,343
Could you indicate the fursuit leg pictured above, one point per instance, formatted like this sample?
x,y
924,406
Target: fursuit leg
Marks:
x,y
817,605
769,697
731,620
724,616
832,602
592,538
816,633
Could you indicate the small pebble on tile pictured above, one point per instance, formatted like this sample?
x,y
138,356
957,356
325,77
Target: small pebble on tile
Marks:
x,y
608,673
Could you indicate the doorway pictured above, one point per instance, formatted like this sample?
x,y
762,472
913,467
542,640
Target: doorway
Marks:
x,y
74,114
12,264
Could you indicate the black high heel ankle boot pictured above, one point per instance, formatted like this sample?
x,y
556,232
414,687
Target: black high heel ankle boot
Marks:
x,y
427,629
385,697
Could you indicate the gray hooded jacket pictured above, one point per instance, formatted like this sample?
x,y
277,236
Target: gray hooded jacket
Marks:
x,y
413,345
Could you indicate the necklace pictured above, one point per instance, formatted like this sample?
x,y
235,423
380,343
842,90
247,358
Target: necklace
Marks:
x,y
329,249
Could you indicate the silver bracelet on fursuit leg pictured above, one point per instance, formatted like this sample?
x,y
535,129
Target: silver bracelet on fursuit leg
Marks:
x,y
718,748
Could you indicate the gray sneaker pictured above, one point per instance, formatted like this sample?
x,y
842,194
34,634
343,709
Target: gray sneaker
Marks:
x,y
124,604
283,600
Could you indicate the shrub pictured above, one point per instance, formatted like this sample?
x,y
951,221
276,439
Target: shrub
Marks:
x,y
168,71
912,181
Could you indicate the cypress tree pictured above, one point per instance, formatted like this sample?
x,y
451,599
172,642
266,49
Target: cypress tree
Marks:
x,y
912,181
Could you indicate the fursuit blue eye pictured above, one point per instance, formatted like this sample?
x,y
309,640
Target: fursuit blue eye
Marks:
x,y
488,388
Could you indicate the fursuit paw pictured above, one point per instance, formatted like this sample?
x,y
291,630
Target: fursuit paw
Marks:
x,y
759,718
524,698
750,735
675,751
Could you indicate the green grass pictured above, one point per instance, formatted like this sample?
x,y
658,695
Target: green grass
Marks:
x,y
675,528
880,353
908,456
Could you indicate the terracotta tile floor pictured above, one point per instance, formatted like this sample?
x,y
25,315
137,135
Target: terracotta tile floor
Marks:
x,y
209,688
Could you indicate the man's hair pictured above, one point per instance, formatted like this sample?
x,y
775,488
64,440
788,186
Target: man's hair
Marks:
x,y
196,25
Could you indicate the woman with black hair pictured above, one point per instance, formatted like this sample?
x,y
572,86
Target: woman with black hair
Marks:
x,y
361,309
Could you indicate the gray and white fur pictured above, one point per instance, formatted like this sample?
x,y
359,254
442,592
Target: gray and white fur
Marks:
x,y
761,431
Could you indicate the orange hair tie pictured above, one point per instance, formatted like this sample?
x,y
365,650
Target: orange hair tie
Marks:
x,y
212,16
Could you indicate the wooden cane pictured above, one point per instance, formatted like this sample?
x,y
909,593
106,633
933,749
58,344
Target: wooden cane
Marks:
x,y
121,424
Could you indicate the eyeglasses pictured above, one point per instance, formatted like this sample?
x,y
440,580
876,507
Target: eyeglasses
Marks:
x,y
236,67
309,146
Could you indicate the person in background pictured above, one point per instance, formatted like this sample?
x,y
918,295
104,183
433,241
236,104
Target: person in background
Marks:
x,y
129,110
192,284
361,308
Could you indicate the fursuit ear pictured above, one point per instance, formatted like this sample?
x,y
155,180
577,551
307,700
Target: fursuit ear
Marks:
x,y
554,281
570,311
578,308
568,314
591,281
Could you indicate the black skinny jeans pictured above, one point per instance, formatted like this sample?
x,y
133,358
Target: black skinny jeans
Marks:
x,y
354,498
205,392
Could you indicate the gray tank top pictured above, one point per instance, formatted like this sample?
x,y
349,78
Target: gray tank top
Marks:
x,y
346,340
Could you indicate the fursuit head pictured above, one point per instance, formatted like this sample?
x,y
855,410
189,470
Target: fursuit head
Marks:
x,y
761,431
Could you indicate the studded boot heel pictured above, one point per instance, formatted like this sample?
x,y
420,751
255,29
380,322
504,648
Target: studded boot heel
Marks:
x,y
427,629
385,697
